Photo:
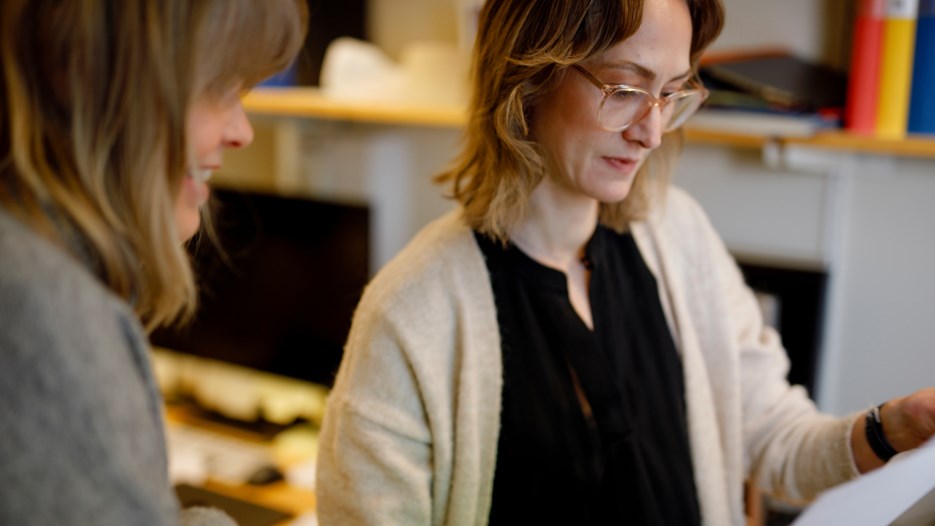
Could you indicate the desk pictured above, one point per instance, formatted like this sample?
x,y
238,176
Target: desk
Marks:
x,y
278,495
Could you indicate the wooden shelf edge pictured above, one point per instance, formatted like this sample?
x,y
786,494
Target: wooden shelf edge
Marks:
x,y
912,146
719,138
310,102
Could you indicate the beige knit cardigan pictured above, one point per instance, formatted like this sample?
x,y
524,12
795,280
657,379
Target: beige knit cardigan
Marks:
x,y
410,433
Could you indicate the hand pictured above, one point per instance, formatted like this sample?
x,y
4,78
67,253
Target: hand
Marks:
x,y
909,421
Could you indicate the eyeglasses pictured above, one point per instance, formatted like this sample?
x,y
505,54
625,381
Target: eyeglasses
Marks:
x,y
623,105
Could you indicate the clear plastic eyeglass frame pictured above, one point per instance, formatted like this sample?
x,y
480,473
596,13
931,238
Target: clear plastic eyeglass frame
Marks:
x,y
623,106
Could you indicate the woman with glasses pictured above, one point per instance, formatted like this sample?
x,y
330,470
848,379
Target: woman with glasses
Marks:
x,y
574,345
113,115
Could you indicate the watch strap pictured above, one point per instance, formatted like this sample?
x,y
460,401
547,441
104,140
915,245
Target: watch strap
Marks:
x,y
876,437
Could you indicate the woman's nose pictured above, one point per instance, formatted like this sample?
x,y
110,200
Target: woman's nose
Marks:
x,y
647,130
239,132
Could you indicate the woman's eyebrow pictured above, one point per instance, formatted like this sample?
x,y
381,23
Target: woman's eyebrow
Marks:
x,y
645,72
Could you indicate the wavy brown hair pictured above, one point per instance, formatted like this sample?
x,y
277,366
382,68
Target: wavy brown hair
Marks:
x,y
93,103
523,49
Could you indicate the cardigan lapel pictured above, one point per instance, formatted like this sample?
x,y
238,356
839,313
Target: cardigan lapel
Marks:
x,y
711,479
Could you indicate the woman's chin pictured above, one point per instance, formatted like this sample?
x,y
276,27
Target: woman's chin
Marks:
x,y
188,222
613,193
192,196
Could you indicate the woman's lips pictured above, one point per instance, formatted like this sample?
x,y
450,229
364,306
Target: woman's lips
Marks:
x,y
622,164
201,174
196,188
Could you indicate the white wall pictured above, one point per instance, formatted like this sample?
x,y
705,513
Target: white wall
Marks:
x,y
868,221
761,212
815,29
393,24
883,344
388,167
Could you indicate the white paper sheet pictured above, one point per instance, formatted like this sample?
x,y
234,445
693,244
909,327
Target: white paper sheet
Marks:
x,y
903,491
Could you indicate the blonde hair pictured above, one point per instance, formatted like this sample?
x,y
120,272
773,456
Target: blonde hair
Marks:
x,y
522,51
93,103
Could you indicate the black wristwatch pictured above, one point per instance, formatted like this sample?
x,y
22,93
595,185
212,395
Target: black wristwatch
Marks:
x,y
875,436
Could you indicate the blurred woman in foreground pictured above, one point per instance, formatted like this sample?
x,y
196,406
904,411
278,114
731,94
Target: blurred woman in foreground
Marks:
x,y
113,115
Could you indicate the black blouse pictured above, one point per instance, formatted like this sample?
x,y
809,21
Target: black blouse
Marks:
x,y
592,428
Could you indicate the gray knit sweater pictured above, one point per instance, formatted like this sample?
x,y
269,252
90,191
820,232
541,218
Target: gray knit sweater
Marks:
x,y
81,430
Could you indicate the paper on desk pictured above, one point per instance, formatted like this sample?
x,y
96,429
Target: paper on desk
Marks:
x,y
902,493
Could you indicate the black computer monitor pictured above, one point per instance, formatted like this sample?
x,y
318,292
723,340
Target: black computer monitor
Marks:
x,y
280,296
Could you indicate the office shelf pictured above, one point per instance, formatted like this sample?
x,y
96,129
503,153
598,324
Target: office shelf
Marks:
x,y
312,103
309,102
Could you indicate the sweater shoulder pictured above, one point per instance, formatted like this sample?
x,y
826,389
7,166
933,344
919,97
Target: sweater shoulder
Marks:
x,y
41,283
681,224
441,259
678,210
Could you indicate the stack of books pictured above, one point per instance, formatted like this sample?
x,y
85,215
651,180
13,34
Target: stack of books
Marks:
x,y
770,93
890,93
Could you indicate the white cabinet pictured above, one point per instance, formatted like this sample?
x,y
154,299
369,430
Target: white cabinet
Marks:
x,y
882,329
867,219
761,212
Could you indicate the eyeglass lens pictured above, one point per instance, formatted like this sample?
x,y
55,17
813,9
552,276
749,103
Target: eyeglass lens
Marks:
x,y
624,107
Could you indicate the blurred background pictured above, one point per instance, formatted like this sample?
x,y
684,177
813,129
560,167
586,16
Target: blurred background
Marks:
x,y
831,222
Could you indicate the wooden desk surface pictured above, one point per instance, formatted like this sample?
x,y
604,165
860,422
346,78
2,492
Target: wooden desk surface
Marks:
x,y
278,495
